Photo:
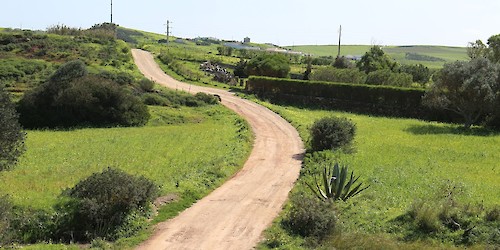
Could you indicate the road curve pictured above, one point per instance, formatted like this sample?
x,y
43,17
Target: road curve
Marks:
x,y
234,215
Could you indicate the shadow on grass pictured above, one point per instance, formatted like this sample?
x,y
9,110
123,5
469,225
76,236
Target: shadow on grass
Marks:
x,y
431,129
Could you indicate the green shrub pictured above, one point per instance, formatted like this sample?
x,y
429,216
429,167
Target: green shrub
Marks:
x,y
426,216
273,65
370,99
105,201
387,77
30,226
5,218
332,133
155,99
336,185
11,134
146,85
493,214
206,98
344,75
73,98
310,217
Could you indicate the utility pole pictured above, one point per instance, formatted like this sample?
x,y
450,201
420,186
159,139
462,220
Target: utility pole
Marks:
x,y
340,36
168,30
111,11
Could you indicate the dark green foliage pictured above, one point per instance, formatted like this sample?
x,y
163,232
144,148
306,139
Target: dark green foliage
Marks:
x,y
11,134
332,133
309,217
335,185
239,69
72,98
342,63
368,99
387,77
419,72
376,59
146,85
322,60
344,75
5,218
470,89
172,98
206,98
121,78
420,57
103,202
225,50
493,214
65,74
273,65
494,48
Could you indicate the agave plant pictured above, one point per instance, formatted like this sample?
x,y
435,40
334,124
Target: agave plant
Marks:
x,y
335,184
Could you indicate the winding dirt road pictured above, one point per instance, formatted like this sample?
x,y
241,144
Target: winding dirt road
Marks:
x,y
234,215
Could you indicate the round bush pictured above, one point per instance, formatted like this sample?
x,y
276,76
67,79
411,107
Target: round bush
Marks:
x,y
311,217
331,133
104,201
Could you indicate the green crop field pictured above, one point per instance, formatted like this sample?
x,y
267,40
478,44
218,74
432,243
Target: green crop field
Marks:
x,y
404,160
196,148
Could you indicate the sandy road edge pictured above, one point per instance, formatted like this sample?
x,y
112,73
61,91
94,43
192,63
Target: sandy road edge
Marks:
x,y
234,215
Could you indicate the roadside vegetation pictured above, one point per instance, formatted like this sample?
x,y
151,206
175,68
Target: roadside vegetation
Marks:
x,y
424,177
86,177
368,181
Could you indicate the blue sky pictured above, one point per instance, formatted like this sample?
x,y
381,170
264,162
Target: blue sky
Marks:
x,y
290,22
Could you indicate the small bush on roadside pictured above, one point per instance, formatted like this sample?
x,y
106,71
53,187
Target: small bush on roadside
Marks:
x,y
207,98
146,85
310,217
332,133
155,99
103,202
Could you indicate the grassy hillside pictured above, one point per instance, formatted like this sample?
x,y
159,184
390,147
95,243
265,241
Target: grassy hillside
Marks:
x,y
404,160
161,151
56,160
430,56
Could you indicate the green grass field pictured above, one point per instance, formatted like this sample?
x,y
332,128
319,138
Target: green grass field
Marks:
x,y
404,160
198,150
440,53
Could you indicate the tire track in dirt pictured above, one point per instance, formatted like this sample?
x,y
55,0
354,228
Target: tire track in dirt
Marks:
x,y
234,215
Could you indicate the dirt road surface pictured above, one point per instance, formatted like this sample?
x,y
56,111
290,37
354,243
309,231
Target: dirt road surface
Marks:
x,y
234,215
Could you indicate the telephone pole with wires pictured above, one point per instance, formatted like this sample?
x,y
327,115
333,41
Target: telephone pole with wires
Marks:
x,y
169,32
111,11
340,36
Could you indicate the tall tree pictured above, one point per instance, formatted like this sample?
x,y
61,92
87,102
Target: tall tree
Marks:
x,y
469,89
376,59
11,134
273,65
477,49
494,47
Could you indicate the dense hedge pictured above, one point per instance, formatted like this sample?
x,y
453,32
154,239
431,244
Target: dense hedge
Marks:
x,y
371,99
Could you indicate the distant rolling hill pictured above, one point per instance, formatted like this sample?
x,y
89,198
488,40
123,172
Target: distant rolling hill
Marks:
x,y
430,56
